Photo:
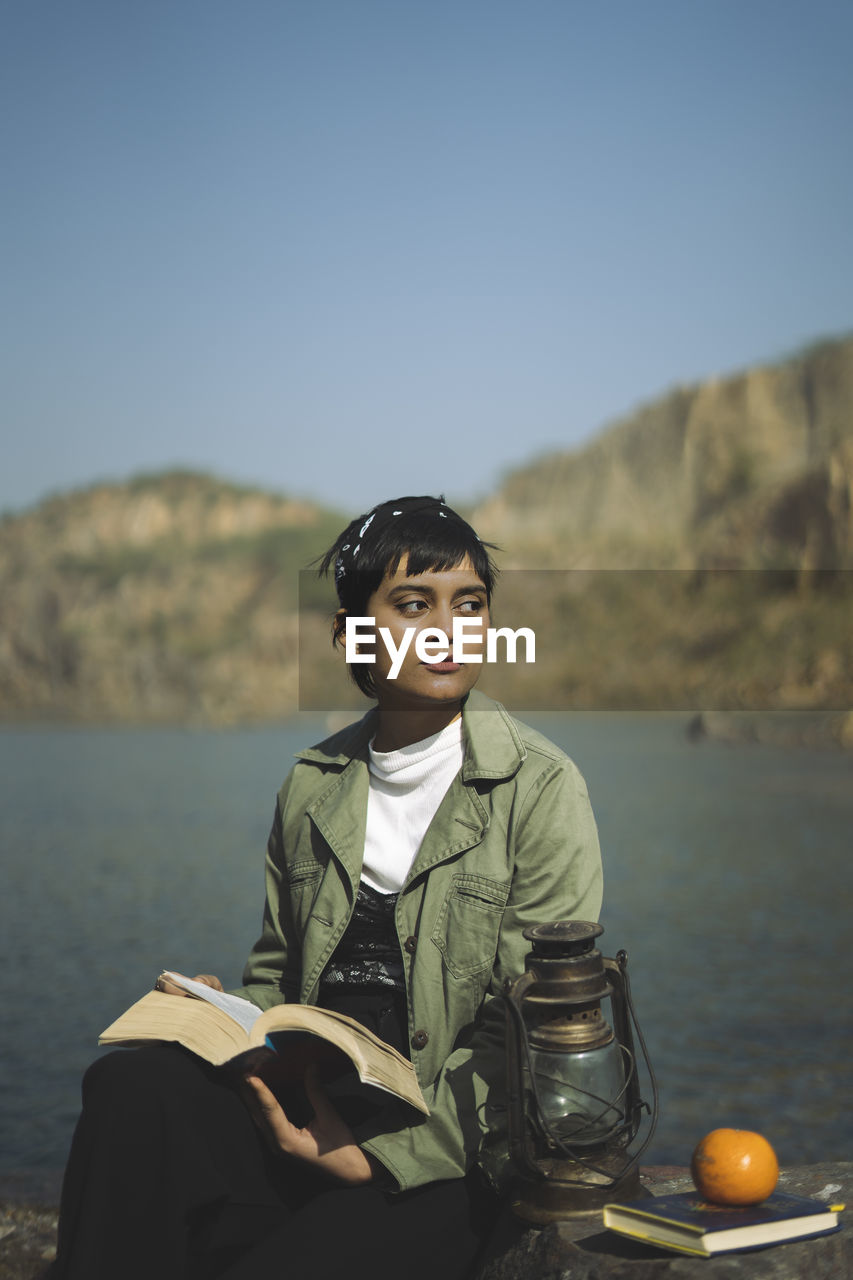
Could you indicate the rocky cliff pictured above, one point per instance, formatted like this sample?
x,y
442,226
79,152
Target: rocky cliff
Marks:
x,y
175,597
753,470
696,554
170,598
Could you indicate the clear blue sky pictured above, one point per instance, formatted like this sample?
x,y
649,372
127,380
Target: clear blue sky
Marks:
x,y
353,248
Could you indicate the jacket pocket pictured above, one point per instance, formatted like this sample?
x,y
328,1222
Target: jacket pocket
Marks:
x,y
468,925
303,879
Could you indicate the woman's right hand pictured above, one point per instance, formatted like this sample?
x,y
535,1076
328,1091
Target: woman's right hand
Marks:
x,y
326,1142
163,984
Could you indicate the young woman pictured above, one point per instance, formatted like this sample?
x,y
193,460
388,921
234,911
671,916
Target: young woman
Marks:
x,y
407,854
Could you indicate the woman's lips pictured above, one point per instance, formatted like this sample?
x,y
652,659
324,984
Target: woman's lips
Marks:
x,y
443,668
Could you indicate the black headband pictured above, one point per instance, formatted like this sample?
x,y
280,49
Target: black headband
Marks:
x,y
378,517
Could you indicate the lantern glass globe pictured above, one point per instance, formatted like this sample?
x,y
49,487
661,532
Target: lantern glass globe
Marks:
x,y
581,1094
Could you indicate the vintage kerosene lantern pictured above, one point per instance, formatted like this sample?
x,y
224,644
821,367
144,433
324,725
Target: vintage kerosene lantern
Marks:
x,y
573,1088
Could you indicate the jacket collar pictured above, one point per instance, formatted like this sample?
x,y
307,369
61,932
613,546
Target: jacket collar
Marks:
x,y
493,746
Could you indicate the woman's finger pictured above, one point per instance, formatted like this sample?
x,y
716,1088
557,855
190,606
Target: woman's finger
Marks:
x,y
273,1114
264,1097
172,989
209,980
324,1109
169,988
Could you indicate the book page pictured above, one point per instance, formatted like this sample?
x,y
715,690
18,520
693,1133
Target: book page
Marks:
x,y
376,1062
221,1027
197,1024
242,1011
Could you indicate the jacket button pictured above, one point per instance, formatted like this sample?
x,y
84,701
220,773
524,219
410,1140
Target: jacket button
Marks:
x,y
419,1039
411,944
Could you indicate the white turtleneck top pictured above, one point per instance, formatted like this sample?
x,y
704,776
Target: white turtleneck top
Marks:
x,y
406,788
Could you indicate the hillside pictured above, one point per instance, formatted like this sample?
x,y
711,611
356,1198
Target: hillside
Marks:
x,y
755,470
695,555
170,598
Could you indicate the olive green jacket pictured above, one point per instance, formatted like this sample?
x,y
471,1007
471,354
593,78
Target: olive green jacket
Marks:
x,y
513,843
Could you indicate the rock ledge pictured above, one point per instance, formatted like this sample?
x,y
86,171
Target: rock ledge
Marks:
x,y
583,1250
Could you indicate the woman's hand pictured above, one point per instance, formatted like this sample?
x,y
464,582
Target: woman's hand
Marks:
x,y
163,984
326,1141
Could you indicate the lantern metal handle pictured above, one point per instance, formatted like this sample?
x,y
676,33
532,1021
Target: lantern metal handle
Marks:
x,y
624,1018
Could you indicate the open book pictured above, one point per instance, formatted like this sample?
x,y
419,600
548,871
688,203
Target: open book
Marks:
x,y
222,1028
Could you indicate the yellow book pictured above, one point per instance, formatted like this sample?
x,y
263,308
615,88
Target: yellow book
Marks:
x,y
226,1029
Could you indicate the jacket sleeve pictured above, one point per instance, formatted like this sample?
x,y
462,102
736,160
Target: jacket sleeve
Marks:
x,y
271,973
557,876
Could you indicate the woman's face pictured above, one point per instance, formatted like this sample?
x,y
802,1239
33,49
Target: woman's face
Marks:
x,y
427,600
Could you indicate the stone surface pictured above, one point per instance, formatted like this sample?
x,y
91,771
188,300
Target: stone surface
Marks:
x,y
584,1250
27,1240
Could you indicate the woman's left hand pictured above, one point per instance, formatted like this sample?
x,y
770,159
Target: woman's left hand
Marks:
x,y
326,1142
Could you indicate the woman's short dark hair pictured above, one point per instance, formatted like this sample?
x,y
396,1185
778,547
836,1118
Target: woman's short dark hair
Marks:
x,y
433,537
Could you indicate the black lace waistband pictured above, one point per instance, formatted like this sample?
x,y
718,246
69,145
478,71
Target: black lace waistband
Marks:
x,y
368,955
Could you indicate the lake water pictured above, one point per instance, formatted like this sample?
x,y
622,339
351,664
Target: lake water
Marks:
x,y
728,881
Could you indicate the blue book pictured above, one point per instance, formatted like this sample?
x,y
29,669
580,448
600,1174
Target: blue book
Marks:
x,y
687,1223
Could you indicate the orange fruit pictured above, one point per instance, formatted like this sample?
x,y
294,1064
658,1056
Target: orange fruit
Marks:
x,y
734,1166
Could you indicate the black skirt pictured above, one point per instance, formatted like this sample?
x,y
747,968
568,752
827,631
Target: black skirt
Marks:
x,y
169,1177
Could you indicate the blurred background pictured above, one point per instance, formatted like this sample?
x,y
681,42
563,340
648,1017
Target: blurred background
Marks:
x,y
584,270
349,250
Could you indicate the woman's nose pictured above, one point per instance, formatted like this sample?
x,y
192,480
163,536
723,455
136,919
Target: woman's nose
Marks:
x,y
443,619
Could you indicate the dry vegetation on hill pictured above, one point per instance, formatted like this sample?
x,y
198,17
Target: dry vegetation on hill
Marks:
x,y
171,598
697,554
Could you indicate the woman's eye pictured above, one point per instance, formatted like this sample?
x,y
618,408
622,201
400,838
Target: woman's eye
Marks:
x,y
411,607
471,606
